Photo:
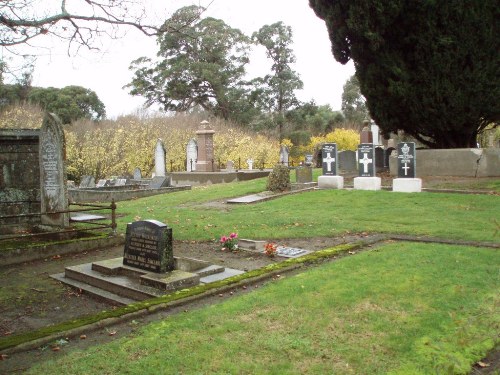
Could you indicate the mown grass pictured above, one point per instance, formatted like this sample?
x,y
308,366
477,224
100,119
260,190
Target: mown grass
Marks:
x,y
318,213
403,308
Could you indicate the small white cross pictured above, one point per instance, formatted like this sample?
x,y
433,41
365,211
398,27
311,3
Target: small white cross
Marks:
x,y
406,169
365,161
328,160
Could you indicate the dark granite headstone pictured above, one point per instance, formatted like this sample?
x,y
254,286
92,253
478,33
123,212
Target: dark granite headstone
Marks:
x,y
303,175
148,246
347,160
366,160
53,189
406,160
330,159
379,158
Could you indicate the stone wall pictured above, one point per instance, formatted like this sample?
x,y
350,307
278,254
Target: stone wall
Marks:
x,y
19,175
466,162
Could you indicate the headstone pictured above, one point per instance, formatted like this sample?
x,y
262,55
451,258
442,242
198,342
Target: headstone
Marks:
x,y
387,155
205,135
374,128
406,160
347,160
158,182
330,159
137,174
148,246
121,182
250,164
379,158
87,182
102,183
71,184
284,155
53,189
366,135
230,166
366,160
160,158
308,160
303,175
191,155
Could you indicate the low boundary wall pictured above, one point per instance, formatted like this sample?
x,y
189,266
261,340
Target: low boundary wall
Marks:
x,y
465,162
102,195
209,178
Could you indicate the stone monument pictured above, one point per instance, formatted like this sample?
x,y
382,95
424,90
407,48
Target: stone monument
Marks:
x,y
284,155
160,158
329,179
367,179
53,187
191,155
407,181
205,135
137,174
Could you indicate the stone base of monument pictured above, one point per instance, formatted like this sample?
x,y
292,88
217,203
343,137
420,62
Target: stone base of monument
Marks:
x,y
331,182
113,281
367,183
407,185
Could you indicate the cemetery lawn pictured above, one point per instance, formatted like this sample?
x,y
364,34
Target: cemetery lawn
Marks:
x,y
401,308
202,215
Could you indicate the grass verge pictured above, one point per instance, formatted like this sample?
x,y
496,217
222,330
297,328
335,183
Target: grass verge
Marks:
x,y
403,308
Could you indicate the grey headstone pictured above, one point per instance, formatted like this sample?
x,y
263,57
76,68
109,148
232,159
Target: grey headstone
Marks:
x,y
309,160
87,182
160,158
121,182
191,155
102,183
158,182
284,155
137,174
148,246
53,189
406,160
347,160
230,166
330,159
366,160
303,175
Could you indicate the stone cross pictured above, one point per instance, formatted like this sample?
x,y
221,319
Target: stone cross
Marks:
x,y
328,160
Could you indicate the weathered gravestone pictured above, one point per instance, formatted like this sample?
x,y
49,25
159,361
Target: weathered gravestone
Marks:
x,y
250,164
366,135
308,160
303,175
347,160
148,246
230,166
366,160
102,183
284,155
158,182
407,181
120,182
53,187
379,158
367,179
191,155
160,158
87,182
329,179
137,174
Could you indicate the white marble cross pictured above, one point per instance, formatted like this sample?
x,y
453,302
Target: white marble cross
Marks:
x,y
328,160
365,161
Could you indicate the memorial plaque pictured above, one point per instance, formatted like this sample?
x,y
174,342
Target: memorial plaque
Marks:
x,y
330,159
148,246
406,160
366,160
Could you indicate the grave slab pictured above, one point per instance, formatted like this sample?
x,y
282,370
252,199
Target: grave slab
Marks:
x,y
367,183
228,272
407,185
85,217
290,252
330,182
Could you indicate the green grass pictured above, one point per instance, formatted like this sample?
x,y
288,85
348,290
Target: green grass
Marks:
x,y
404,308
318,213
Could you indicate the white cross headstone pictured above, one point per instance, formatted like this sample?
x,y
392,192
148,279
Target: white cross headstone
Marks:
x,y
365,161
329,161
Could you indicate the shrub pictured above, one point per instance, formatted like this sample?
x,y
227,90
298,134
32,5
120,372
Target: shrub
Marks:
x,y
279,178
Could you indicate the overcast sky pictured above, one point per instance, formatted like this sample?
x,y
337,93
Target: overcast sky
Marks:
x,y
107,72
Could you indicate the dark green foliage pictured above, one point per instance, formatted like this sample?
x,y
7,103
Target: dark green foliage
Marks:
x,y
279,178
317,119
201,66
353,102
430,68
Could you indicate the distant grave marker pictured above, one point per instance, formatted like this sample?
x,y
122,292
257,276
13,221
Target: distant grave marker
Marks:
x,y
160,158
330,159
366,160
148,246
406,160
